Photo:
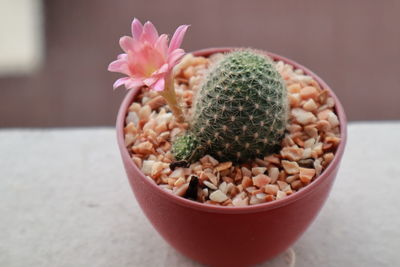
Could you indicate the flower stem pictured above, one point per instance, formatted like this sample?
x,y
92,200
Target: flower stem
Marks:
x,y
169,95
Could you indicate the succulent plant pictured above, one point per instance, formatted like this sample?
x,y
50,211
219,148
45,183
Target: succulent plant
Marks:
x,y
240,111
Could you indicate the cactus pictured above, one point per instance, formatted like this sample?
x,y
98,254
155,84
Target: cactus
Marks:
x,y
240,111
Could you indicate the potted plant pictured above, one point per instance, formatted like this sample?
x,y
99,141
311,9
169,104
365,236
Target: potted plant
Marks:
x,y
232,152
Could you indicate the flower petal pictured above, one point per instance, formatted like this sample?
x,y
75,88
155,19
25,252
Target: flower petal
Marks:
x,y
175,56
133,83
123,56
149,33
136,28
159,85
150,81
162,45
145,62
126,43
119,65
176,40
161,71
156,75
120,82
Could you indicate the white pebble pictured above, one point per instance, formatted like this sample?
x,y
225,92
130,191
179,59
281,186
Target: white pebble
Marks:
x,y
258,170
158,167
309,143
132,117
210,185
303,117
177,173
205,192
164,118
255,200
218,196
280,195
213,161
333,119
273,173
307,153
291,167
144,112
223,187
240,200
310,105
147,166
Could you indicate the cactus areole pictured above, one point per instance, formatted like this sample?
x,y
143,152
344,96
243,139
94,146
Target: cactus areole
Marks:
x,y
239,113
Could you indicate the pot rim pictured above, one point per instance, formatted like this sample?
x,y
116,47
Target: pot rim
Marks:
x,y
120,123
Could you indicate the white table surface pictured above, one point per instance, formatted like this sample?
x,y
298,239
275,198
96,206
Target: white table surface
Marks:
x,y
65,201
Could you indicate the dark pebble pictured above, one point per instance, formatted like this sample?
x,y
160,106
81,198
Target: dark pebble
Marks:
x,y
181,163
191,192
306,163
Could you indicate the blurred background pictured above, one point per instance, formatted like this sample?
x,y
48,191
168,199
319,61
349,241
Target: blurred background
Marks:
x,y
54,53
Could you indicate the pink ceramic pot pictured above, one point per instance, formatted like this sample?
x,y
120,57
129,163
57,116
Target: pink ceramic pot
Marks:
x,y
231,236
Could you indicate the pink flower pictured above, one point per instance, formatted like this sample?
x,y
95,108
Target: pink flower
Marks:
x,y
147,60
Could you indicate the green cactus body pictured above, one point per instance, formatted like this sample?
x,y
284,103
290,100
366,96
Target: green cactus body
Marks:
x,y
240,112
